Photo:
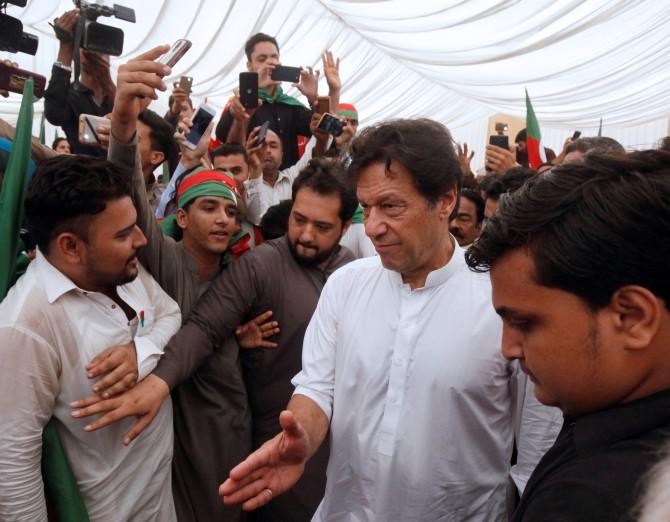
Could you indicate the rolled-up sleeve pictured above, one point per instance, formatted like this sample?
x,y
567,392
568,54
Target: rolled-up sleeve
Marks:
x,y
28,387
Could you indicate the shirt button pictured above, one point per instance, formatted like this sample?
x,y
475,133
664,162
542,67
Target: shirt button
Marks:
x,y
394,399
113,306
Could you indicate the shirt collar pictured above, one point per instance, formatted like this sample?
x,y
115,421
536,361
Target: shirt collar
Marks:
x,y
54,281
620,422
442,274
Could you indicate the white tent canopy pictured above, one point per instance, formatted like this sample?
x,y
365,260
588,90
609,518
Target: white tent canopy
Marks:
x,y
455,61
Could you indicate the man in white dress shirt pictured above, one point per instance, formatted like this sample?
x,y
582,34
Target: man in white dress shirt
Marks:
x,y
402,362
84,293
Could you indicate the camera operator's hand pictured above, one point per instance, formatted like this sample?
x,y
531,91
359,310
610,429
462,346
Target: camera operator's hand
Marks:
x,y
64,29
264,76
309,84
137,82
254,152
239,111
498,160
9,63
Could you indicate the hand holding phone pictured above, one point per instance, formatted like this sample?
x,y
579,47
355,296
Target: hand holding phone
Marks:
x,y
13,79
331,124
201,120
89,129
576,135
499,141
260,139
322,104
249,89
185,84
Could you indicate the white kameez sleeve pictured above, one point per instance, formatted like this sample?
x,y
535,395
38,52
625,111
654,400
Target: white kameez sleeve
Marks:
x,y
319,351
28,388
536,427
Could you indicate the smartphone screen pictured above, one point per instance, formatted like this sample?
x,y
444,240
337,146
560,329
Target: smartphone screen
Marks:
x,y
331,124
203,117
499,141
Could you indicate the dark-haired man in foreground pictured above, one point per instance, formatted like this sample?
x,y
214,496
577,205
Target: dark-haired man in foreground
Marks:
x,y
579,267
402,363
285,276
85,297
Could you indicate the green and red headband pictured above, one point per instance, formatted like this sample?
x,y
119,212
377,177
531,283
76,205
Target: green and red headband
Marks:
x,y
204,182
347,110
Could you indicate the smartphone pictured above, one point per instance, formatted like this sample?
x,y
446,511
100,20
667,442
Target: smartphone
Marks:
x,y
576,135
284,73
202,118
331,124
262,132
499,141
175,53
249,89
185,83
13,79
88,128
322,105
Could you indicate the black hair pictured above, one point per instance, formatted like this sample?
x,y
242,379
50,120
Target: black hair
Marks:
x,y
256,39
326,178
511,181
229,149
67,191
596,143
521,136
589,227
424,147
161,135
56,141
274,222
477,201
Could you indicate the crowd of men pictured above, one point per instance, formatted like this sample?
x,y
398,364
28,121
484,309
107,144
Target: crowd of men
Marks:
x,y
310,326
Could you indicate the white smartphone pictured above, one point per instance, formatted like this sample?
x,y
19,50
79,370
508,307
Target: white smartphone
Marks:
x,y
88,125
202,118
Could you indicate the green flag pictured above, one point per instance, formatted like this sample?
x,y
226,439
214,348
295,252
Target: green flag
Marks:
x,y
14,186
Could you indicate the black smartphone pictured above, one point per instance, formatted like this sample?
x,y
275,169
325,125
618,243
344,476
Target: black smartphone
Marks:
x,y
284,73
331,124
13,79
202,118
576,135
249,89
175,53
499,141
262,132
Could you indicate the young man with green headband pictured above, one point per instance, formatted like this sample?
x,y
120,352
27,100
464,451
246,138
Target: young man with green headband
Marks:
x,y
185,254
287,116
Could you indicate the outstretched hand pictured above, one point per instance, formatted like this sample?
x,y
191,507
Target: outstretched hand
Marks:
x,y
270,470
254,333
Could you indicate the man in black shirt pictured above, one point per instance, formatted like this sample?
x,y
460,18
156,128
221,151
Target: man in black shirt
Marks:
x,y
92,94
579,265
287,116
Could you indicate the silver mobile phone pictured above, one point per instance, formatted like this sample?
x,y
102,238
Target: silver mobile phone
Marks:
x,y
175,53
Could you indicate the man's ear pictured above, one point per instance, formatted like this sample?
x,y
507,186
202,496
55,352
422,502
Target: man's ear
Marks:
x,y
68,247
181,217
249,67
447,204
157,157
637,316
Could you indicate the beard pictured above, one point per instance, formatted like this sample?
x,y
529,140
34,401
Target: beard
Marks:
x,y
316,259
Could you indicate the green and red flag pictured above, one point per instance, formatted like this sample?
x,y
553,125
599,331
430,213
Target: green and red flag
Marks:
x,y
533,137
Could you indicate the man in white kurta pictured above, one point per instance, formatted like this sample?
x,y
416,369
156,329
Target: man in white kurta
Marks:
x,y
402,362
50,329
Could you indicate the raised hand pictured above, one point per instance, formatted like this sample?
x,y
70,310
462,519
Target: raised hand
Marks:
x,y
464,159
270,470
254,333
331,70
499,160
309,84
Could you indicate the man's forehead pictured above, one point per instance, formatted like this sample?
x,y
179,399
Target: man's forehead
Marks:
x,y
264,48
230,159
118,215
381,180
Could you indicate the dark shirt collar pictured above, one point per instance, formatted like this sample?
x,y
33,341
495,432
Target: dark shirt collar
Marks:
x,y
620,422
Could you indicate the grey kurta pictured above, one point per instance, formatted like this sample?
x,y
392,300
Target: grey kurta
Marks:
x,y
267,278
212,421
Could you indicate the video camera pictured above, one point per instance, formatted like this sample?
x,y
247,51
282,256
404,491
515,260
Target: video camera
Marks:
x,y
97,37
12,37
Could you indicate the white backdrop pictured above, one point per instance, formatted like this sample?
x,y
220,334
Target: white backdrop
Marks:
x,y
452,60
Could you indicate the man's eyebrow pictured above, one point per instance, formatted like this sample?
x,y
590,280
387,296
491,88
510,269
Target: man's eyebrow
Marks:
x,y
125,230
